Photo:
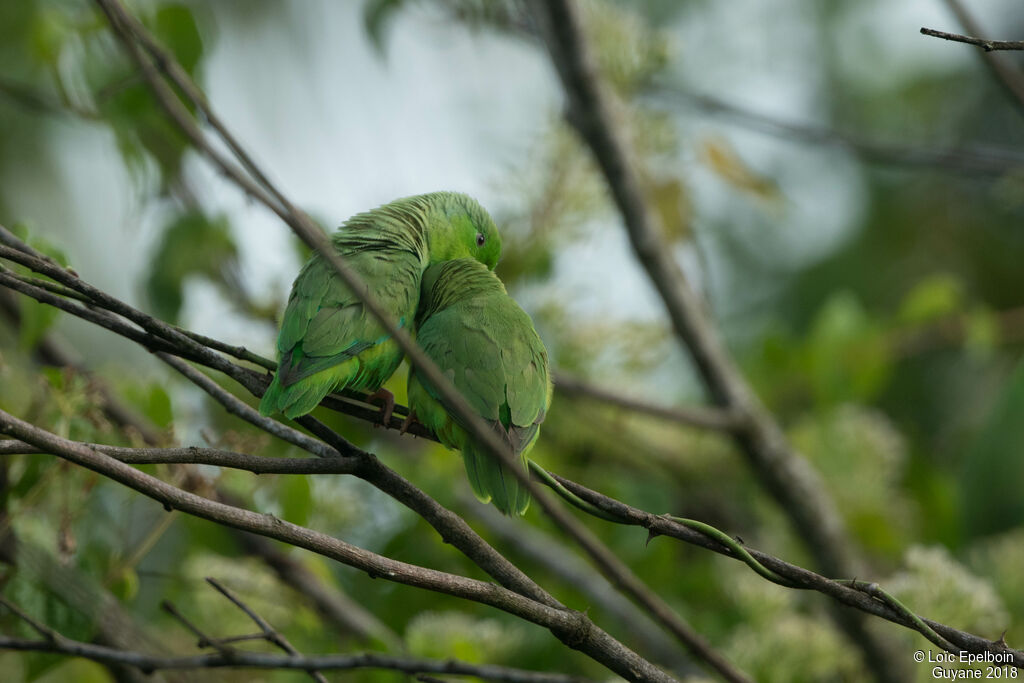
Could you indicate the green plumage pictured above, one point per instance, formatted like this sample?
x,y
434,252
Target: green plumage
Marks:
x,y
328,340
487,346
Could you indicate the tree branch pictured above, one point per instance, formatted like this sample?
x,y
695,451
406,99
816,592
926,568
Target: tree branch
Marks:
x,y
130,32
452,528
552,554
961,160
1004,72
694,416
987,45
856,594
852,593
785,474
572,628
259,660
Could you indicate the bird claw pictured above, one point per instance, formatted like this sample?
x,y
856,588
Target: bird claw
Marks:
x,y
407,422
387,404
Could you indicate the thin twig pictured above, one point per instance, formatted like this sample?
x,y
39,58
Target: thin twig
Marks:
x,y
237,407
695,416
261,660
40,628
552,553
270,634
204,640
987,45
961,160
1005,73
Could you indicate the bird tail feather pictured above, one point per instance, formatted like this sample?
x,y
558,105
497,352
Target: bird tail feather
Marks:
x,y
298,398
492,481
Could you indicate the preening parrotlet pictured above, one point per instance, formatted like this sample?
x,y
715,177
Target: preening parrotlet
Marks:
x,y
329,341
487,346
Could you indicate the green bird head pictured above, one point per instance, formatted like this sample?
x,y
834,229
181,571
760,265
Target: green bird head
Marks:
x,y
458,227
449,282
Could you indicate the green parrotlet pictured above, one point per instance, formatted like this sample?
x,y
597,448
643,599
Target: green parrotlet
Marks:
x,y
329,341
487,346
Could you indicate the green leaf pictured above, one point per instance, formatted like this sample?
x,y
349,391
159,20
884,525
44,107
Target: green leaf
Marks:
x,y
40,243
296,499
377,15
981,328
158,406
50,29
192,245
933,297
847,356
176,28
993,468
36,320
126,585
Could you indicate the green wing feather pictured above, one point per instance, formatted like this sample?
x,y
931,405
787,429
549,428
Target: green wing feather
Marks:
x,y
486,344
326,331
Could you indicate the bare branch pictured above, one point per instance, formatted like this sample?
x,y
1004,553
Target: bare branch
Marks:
x,y
694,416
260,660
269,633
332,604
237,407
129,32
38,627
204,640
572,628
987,45
194,455
552,554
785,474
855,594
1005,74
851,593
960,160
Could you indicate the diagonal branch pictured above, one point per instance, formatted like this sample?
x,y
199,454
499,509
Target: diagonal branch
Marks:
x,y
549,552
856,594
572,628
694,416
852,593
451,527
269,633
785,474
130,33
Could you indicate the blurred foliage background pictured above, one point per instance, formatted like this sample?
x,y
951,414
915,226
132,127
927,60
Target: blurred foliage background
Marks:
x,y
877,306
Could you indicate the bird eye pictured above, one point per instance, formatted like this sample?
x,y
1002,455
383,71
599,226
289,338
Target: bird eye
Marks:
x,y
480,239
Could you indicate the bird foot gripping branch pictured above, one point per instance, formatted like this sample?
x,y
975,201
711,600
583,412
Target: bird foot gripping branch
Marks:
x,y
387,404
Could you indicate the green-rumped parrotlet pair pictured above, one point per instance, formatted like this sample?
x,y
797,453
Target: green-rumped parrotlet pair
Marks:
x,y
428,260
